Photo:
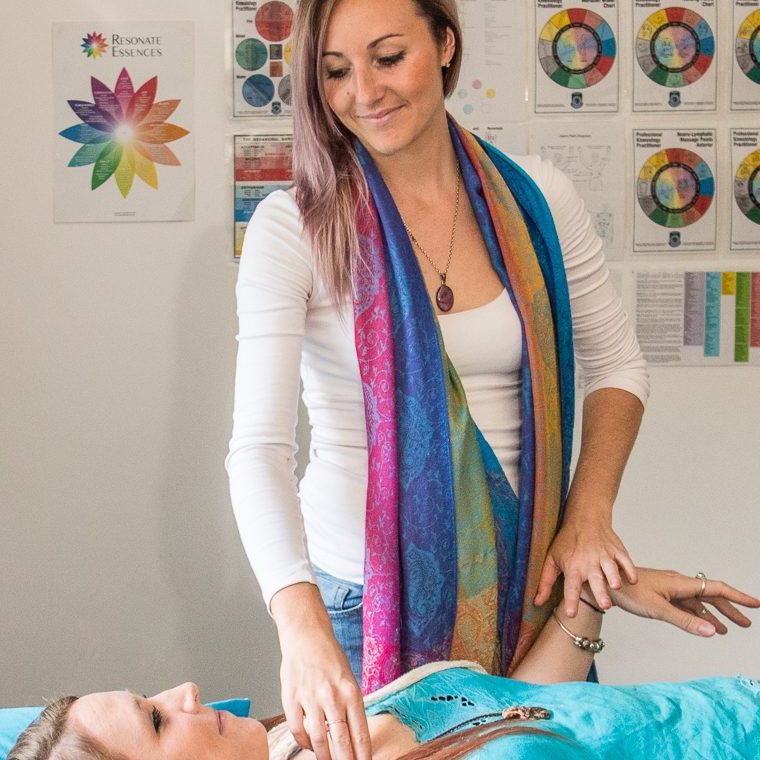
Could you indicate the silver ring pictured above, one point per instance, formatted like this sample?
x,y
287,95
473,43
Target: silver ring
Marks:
x,y
703,578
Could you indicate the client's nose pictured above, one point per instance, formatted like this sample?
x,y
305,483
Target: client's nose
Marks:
x,y
185,697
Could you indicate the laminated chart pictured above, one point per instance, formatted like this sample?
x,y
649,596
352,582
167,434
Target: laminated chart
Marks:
x,y
123,117
675,50
745,211
577,53
745,79
698,318
675,190
491,88
263,163
591,156
262,54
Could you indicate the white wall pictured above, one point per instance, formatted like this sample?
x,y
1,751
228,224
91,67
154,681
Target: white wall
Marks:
x,y
120,564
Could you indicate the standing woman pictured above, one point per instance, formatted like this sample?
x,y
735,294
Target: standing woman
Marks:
x,y
431,294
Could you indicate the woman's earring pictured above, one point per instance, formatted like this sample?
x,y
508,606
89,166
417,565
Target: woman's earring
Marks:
x,y
447,64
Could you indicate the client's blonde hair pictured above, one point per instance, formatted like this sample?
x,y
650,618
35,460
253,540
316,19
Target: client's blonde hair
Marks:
x,y
48,739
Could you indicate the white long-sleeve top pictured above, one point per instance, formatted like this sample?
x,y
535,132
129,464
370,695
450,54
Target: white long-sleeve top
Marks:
x,y
290,330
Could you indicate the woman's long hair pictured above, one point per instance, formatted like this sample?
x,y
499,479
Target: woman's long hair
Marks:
x,y
330,185
460,744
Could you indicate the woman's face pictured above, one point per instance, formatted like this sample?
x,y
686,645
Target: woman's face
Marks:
x,y
172,725
381,69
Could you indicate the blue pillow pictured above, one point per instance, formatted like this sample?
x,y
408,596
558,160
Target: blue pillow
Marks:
x,y
13,720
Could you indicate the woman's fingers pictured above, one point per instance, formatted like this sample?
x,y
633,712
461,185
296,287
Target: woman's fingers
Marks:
x,y
626,564
316,727
720,589
294,717
695,607
339,738
728,609
573,583
684,619
549,576
357,725
598,584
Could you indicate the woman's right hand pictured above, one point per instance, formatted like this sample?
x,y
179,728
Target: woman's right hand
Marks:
x,y
318,687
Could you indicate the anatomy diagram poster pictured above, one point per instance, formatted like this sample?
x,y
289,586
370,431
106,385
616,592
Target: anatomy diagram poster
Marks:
x,y
123,110
263,163
698,318
675,51
745,75
262,52
493,79
577,53
745,209
674,208
593,158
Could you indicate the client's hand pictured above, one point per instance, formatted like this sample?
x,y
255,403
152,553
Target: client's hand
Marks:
x,y
675,598
318,687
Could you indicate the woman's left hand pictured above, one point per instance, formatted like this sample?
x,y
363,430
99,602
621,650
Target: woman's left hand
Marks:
x,y
678,599
585,551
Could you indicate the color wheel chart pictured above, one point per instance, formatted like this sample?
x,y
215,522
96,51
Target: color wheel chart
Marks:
x,y
748,46
745,90
747,187
577,48
745,212
675,50
576,51
675,188
262,56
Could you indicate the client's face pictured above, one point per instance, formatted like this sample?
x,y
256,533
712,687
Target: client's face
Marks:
x,y
172,725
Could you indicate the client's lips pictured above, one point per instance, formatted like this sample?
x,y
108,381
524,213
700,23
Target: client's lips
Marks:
x,y
380,114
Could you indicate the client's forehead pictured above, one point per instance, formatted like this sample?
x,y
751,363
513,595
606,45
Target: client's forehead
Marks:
x,y
112,718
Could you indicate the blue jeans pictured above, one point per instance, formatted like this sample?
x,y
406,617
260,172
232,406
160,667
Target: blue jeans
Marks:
x,y
343,600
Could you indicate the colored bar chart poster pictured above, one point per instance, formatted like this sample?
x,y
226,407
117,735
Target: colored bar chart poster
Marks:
x,y
745,208
261,31
263,163
593,158
124,148
492,82
745,72
577,56
698,318
675,49
675,185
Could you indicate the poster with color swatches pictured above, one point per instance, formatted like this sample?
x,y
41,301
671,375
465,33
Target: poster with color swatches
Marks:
x,y
262,50
491,89
675,186
698,318
675,55
263,163
577,56
745,73
745,208
593,157
123,117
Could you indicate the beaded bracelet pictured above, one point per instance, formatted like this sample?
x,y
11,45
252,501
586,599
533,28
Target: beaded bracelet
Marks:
x,y
582,642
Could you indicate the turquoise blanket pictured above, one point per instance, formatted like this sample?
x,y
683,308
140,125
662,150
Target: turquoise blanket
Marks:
x,y
709,719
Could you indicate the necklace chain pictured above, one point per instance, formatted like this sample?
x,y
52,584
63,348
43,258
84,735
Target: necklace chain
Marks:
x,y
441,274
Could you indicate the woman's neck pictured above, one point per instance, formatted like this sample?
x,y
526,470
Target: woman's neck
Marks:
x,y
425,169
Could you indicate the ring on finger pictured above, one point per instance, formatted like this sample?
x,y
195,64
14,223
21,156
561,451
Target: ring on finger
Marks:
x,y
702,577
329,723
704,611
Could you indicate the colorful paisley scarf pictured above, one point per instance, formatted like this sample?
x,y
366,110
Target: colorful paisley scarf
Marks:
x,y
453,555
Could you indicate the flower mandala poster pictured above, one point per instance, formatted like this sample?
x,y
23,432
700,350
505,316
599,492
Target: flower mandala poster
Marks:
x,y
124,142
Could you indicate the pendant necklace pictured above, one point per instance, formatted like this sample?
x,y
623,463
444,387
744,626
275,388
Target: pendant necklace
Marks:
x,y
444,296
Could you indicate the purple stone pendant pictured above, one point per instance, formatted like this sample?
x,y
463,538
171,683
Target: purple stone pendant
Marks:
x,y
444,296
